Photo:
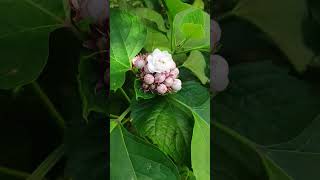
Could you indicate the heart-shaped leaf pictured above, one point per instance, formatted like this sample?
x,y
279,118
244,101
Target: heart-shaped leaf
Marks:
x,y
24,38
127,37
168,120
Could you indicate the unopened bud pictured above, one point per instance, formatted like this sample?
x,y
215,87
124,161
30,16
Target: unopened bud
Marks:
x,y
162,89
148,79
176,86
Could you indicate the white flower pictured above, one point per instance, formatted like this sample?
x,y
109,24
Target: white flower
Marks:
x,y
162,89
176,86
148,79
160,61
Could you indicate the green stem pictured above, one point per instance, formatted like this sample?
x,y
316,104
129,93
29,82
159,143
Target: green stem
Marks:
x,y
113,116
15,173
125,95
51,108
123,115
125,121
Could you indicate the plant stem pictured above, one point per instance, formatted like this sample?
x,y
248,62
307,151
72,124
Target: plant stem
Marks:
x,y
15,173
125,95
113,116
123,115
51,108
125,121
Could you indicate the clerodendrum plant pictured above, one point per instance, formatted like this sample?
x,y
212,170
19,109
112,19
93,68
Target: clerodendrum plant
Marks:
x,y
159,64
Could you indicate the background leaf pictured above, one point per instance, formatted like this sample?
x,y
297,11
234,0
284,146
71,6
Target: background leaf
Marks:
x,y
24,38
151,15
285,29
126,42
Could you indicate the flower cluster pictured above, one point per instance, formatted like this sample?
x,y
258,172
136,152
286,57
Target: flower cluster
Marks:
x,y
157,72
219,66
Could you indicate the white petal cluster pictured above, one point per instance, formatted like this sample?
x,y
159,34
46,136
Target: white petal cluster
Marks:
x,y
219,66
158,72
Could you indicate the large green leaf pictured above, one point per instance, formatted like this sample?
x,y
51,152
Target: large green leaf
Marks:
x,y
199,104
168,120
127,37
284,28
262,100
191,30
24,38
132,158
259,104
197,64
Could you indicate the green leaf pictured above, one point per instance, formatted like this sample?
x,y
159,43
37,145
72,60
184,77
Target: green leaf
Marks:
x,y
200,148
198,4
175,6
197,64
24,38
47,164
156,39
191,30
132,158
168,120
285,29
127,38
234,157
260,102
140,94
199,105
89,77
151,15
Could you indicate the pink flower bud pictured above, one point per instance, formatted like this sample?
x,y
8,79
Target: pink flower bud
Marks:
x,y
168,82
152,86
176,86
174,73
159,78
146,70
138,62
162,89
145,86
148,79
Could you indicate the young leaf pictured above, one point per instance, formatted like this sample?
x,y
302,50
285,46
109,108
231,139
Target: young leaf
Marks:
x,y
191,30
197,64
24,38
132,158
156,39
151,15
127,38
285,29
175,6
